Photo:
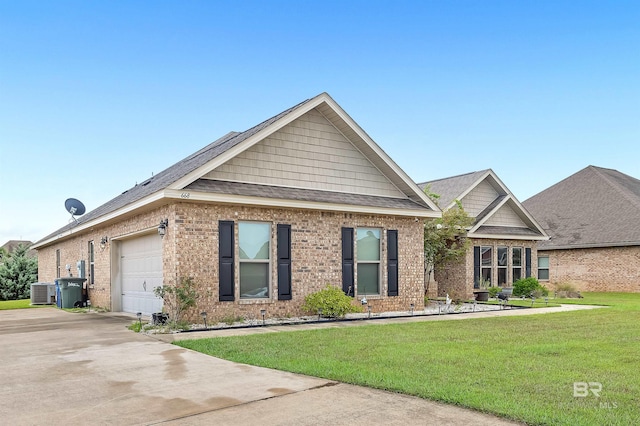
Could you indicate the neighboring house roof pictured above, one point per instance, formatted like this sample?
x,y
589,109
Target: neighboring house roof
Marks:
x,y
497,212
11,245
595,207
199,173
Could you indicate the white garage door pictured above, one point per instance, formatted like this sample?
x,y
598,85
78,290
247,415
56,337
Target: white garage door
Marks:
x,y
141,267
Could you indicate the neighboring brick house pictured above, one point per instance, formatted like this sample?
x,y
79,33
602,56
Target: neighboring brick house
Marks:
x,y
593,219
504,235
259,220
11,245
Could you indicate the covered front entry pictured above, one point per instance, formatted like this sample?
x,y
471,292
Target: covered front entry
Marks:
x,y
141,272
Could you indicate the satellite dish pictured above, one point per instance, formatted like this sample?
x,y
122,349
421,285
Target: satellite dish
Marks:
x,y
75,207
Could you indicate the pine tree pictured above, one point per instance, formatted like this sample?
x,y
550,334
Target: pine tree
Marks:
x,y
18,270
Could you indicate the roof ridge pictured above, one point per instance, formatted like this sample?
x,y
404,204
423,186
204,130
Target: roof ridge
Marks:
x,y
454,177
616,186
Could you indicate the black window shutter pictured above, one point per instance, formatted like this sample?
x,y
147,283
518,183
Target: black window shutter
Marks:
x,y
476,267
284,262
226,257
527,257
347,261
392,262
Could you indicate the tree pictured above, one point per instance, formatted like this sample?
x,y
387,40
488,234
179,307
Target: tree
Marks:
x,y
18,270
445,238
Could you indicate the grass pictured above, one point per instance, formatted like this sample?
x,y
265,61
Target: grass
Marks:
x,y
521,368
18,304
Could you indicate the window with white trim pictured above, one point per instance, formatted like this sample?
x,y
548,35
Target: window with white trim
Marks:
x,y
368,261
58,263
503,263
91,262
254,240
516,263
543,268
486,265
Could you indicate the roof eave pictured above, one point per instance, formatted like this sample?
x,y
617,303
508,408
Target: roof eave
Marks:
x,y
148,201
592,245
300,204
507,237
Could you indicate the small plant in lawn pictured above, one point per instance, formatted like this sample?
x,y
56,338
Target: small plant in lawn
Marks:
x,y
136,326
527,287
567,290
333,302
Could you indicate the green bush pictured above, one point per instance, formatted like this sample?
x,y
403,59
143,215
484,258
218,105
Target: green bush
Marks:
x,y
177,299
333,302
529,286
493,291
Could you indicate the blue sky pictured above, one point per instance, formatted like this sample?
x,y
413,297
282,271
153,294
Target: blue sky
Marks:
x,y
96,96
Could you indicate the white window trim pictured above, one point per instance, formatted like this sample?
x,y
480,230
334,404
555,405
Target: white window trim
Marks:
x,y
378,262
548,268
260,261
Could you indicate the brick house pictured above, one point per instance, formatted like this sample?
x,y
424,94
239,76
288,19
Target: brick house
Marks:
x,y
258,219
504,235
593,218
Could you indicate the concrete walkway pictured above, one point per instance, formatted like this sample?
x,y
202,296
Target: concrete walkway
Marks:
x,y
62,368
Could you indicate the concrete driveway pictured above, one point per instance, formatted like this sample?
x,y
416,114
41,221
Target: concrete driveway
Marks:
x,y
65,368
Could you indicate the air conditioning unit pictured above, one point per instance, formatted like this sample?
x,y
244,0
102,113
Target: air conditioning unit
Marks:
x,y
43,294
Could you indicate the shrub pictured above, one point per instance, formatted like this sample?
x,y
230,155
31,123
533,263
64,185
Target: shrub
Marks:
x,y
526,287
493,291
333,302
178,298
566,287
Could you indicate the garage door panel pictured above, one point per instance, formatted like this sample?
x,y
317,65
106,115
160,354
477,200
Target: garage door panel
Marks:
x,y
141,266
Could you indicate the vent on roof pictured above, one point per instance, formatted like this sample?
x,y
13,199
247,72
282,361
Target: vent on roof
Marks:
x,y
43,294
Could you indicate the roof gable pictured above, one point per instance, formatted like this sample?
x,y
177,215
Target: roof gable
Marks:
x,y
595,207
167,184
453,188
339,119
497,212
307,153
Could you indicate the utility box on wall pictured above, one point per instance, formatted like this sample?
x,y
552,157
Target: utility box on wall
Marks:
x,y
81,269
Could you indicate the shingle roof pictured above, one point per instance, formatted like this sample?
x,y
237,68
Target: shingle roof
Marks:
x,y
452,187
186,171
170,175
11,245
279,192
595,207
507,231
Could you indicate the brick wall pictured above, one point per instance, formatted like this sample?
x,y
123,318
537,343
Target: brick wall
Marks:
x,y
596,269
190,249
76,248
315,252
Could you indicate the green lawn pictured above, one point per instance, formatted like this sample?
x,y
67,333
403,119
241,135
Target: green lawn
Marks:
x,y
522,368
15,304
